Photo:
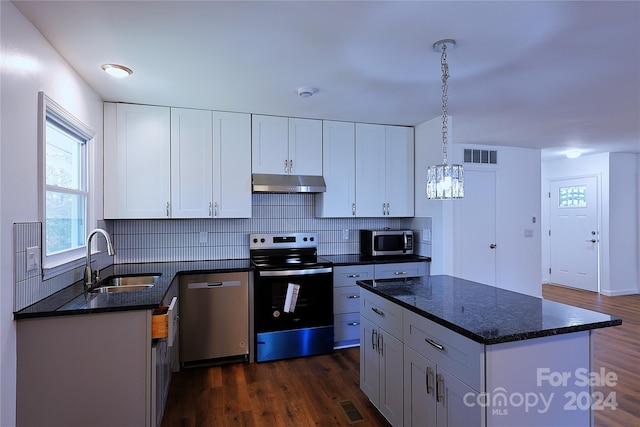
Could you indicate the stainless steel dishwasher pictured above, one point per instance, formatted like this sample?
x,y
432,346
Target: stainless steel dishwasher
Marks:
x,y
214,317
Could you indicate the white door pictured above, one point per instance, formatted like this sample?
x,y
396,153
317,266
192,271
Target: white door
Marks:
x,y
574,233
476,228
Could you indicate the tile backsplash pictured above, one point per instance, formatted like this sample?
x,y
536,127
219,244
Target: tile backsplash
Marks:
x,y
207,239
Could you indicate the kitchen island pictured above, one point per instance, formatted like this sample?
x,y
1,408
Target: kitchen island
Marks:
x,y
438,351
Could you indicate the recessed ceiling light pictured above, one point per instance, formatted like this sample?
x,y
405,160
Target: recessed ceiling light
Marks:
x,y
573,154
116,70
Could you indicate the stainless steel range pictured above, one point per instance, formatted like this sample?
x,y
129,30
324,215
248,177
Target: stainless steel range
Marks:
x,y
293,296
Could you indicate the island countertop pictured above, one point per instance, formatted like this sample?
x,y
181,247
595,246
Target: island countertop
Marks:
x,y
486,314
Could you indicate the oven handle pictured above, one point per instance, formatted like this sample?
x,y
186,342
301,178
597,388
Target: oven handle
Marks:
x,y
301,272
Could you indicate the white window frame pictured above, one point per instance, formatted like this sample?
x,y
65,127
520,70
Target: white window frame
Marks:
x,y
60,262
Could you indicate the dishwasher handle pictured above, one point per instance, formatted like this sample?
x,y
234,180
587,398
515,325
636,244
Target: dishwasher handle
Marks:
x,y
212,285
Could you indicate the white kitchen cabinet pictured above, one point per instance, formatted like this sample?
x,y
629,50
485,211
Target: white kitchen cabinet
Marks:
x,y
384,171
137,161
338,170
191,163
70,368
210,164
231,165
401,269
283,146
346,303
381,355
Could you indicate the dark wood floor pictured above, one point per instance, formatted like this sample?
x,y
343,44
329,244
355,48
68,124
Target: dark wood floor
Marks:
x,y
306,391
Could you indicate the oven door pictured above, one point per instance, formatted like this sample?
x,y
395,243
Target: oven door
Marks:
x,y
293,312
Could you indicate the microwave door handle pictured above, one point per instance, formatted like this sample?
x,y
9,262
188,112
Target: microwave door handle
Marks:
x,y
404,235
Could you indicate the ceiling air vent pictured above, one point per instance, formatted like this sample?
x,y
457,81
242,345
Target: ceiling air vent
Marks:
x,y
489,157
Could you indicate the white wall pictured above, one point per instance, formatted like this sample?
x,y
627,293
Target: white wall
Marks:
x,y
29,65
517,202
618,212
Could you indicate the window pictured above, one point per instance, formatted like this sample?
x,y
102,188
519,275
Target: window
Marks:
x,y
572,197
65,186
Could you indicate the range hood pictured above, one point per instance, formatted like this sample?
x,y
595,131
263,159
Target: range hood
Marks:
x,y
266,183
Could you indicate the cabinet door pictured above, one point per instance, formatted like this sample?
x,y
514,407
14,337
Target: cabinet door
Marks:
x,y
399,168
191,163
137,165
370,170
305,147
419,390
451,395
391,379
269,144
369,360
232,165
339,170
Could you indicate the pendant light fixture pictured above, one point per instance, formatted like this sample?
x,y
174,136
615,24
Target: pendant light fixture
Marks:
x,y
445,181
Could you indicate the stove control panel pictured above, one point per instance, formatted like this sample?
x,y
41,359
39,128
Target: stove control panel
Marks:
x,y
283,240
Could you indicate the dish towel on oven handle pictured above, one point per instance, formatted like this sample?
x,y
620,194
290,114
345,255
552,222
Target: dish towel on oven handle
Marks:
x,y
291,298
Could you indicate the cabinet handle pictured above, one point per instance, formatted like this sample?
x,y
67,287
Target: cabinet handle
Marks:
x,y
210,209
377,311
428,379
168,213
439,387
290,166
388,205
374,341
384,207
286,166
381,345
400,273
353,323
215,208
352,276
435,344
353,296
353,209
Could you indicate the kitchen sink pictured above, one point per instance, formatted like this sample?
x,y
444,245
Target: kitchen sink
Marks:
x,y
127,283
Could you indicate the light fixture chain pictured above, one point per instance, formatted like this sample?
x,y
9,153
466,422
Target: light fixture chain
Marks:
x,y
445,116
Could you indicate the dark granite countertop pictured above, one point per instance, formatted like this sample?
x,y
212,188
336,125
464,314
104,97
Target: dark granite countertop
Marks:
x,y
73,300
352,259
486,314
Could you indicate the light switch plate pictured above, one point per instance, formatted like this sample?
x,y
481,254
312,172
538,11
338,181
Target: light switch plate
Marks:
x,y
203,237
33,258
345,234
426,235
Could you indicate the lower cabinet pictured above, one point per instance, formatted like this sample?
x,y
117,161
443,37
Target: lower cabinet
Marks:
x,y
381,355
101,369
434,397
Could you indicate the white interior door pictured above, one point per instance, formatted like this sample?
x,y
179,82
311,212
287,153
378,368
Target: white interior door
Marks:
x,y
476,228
574,232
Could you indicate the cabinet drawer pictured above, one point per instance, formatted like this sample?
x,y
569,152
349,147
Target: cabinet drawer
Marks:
x,y
346,300
400,269
163,322
346,327
455,353
348,275
382,312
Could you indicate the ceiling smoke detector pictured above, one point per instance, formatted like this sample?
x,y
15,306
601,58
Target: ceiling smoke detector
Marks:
x,y
306,91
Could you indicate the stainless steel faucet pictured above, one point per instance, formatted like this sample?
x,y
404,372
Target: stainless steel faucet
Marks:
x,y
89,278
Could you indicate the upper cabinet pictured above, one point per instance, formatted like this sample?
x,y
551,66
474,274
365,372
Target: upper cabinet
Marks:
x,y
339,170
201,169
384,171
283,146
137,161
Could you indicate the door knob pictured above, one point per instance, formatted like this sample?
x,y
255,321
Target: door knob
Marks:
x,y
592,240
493,246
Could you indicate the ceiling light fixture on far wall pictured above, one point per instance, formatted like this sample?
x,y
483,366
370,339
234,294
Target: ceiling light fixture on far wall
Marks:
x,y
573,154
445,181
117,70
306,91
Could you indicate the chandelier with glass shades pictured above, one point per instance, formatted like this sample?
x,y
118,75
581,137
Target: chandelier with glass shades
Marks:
x,y
445,181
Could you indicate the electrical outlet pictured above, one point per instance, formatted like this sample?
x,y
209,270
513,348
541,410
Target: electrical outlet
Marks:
x,y
345,234
528,233
203,237
426,235
33,258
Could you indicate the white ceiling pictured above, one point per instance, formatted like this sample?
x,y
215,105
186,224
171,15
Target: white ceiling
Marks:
x,y
551,75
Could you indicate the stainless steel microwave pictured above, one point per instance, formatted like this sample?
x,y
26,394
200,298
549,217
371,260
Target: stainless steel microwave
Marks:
x,y
386,242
